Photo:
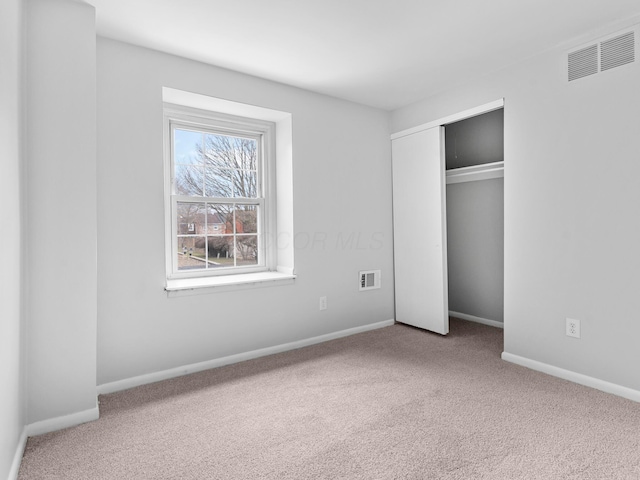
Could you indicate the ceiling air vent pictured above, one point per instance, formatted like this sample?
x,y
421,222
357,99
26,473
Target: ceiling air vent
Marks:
x,y
369,279
607,53
617,51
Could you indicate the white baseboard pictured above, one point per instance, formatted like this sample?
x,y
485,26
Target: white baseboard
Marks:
x,y
473,318
579,378
240,357
65,421
17,458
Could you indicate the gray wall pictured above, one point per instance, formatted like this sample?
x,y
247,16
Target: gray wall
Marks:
x,y
475,140
475,248
61,209
341,155
570,190
11,391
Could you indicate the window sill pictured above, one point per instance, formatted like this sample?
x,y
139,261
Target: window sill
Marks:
x,y
200,285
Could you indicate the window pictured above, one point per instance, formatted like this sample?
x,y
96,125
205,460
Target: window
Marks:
x,y
228,194
220,193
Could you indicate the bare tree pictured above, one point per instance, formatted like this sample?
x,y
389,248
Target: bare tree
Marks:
x,y
226,167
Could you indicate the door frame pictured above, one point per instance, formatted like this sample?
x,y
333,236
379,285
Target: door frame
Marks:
x,y
471,112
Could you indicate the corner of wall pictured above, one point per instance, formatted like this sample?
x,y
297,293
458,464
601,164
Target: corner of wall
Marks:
x,y
59,318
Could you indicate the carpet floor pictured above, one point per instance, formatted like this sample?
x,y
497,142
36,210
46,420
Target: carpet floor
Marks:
x,y
394,403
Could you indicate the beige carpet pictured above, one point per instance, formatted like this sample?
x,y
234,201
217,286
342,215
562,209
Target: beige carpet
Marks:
x,y
395,403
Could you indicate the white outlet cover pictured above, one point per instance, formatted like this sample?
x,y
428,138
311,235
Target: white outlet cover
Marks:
x,y
323,303
573,327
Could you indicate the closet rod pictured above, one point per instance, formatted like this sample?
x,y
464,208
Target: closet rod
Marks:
x,y
476,172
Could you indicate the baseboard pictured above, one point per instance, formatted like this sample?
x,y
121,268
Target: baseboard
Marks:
x,y
579,378
65,421
473,318
17,458
240,357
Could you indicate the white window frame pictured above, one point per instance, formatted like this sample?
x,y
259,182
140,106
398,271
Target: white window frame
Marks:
x,y
176,116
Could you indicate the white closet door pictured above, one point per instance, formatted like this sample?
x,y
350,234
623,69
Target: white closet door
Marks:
x,y
419,217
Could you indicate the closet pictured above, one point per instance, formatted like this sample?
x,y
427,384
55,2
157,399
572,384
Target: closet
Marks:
x,y
448,212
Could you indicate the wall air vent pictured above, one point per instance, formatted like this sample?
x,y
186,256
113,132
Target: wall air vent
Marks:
x,y
369,279
583,62
607,53
617,51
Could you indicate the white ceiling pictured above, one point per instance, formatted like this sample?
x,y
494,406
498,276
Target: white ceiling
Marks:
x,y
383,53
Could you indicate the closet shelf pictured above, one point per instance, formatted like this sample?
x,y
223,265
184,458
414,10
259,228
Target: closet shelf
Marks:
x,y
475,172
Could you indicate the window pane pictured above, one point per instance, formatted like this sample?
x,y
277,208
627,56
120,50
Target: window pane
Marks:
x,y
220,251
246,250
191,218
189,180
231,152
219,182
220,215
216,221
231,166
191,253
187,147
246,218
245,183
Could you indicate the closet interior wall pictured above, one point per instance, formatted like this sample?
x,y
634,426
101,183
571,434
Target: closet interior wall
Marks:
x,y
475,219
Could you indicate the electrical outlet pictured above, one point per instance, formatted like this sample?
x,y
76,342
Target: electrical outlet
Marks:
x,y
323,303
573,328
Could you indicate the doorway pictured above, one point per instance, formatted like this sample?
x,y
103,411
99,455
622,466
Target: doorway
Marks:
x,y
426,169
474,159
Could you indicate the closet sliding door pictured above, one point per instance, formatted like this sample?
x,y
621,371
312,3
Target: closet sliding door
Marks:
x,y
420,242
